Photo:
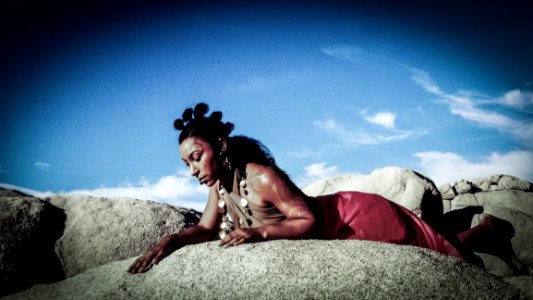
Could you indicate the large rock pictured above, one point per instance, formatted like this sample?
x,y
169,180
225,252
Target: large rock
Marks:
x,y
305,269
100,230
405,187
29,229
505,197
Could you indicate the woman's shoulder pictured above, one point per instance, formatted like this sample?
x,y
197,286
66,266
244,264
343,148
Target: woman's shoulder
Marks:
x,y
260,176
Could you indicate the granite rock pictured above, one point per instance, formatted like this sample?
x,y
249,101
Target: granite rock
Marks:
x,y
101,230
29,230
304,269
405,187
508,198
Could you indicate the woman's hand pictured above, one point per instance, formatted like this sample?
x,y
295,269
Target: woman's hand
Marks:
x,y
153,256
241,236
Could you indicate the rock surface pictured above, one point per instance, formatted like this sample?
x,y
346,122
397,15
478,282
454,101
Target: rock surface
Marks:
x,y
286,270
29,230
405,187
99,233
100,230
505,197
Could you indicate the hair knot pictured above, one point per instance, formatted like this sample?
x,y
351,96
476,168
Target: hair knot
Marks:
x,y
195,123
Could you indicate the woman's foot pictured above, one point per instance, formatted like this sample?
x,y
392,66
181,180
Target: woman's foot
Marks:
x,y
504,229
493,236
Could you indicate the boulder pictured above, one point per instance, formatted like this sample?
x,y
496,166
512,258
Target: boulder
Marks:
x,y
405,187
447,191
508,198
29,230
100,230
304,269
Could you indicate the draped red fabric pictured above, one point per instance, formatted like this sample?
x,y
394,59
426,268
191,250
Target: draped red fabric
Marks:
x,y
363,216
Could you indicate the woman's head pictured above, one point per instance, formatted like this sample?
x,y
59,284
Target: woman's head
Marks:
x,y
203,142
208,150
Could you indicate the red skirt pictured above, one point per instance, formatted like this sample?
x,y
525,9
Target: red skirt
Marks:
x,y
362,216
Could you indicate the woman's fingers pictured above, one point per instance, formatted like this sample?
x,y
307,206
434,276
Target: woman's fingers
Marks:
x,y
234,238
136,266
142,264
133,268
160,255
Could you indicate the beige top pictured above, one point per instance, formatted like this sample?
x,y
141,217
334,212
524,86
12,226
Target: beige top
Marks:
x,y
251,215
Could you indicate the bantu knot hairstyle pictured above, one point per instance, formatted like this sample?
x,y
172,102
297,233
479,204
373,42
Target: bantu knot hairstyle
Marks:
x,y
194,122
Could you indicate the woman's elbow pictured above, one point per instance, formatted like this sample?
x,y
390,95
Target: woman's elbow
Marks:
x,y
309,226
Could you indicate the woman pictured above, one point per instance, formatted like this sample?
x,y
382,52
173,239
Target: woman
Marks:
x,y
246,184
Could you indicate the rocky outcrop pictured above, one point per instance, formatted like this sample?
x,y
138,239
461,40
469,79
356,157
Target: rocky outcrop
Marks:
x,y
29,229
305,269
97,233
505,197
100,230
405,187
48,240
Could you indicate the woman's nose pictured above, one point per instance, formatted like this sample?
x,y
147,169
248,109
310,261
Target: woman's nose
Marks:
x,y
193,170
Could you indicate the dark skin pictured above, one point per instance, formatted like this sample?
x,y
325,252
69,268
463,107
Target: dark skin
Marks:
x,y
267,187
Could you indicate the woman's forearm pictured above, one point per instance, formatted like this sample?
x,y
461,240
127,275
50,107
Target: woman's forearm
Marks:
x,y
288,229
192,235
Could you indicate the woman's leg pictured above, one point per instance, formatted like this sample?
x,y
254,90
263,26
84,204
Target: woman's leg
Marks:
x,y
492,236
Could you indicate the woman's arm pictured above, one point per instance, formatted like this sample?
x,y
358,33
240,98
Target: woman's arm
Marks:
x,y
205,230
270,187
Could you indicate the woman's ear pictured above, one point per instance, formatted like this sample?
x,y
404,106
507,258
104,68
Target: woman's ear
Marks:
x,y
222,145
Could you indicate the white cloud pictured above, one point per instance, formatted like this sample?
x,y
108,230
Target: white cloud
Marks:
x,y
260,83
358,137
468,107
178,189
316,171
517,98
449,167
27,191
423,79
42,165
385,119
344,52
253,84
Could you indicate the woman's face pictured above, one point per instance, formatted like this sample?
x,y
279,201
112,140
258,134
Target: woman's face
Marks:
x,y
198,155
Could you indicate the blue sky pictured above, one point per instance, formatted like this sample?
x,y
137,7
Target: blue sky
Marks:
x,y
90,93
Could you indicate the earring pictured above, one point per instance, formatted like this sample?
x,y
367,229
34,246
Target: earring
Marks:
x,y
225,162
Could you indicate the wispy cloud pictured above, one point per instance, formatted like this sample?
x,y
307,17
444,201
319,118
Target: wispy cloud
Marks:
x,y
42,165
385,119
27,191
261,83
251,85
177,189
359,56
316,171
444,167
353,138
348,53
468,107
517,98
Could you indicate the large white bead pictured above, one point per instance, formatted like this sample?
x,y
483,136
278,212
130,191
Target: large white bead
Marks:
x,y
221,192
223,225
221,203
244,202
241,221
222,234
242,183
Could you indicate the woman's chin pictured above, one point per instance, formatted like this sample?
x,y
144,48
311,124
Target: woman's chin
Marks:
x,y
210,183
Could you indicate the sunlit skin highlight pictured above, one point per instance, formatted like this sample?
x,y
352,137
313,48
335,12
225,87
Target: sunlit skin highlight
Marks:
x,y
268,188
